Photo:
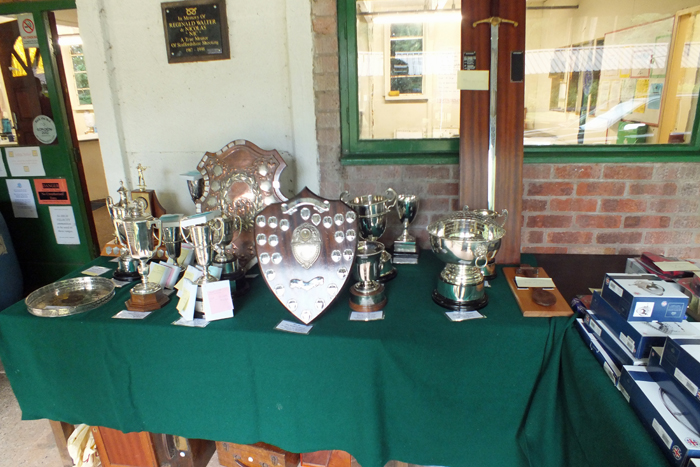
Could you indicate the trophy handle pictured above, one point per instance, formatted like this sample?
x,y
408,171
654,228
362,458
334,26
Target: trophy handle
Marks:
x,y
391,199
486,261
237,221
157,224
183,233
504,215
219,228
343,197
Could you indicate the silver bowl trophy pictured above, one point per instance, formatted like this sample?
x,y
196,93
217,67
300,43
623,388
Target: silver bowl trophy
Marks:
x,y
464,242
225,257
368,294
172,237
406,250
371,213
140,234
489,270
199,230
127,266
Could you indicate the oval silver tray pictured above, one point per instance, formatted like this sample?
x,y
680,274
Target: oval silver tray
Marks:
x,y
70,297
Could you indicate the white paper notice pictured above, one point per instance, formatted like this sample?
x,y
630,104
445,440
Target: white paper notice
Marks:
x,y
463,315
126,314
544,282
217,302
366,315
3,171
296,328
22,198
64,227
25,162
96,270
192,323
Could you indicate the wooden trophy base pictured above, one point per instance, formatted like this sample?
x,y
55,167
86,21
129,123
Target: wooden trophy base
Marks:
x,y
147,302
374,301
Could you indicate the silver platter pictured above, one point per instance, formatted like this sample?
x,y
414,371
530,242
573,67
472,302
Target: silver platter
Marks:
x,y
70,297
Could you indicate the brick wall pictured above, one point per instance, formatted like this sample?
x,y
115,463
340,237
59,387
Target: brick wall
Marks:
x,y
567,208
612,209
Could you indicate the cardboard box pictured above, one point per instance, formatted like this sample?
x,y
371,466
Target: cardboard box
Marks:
x,y
681,359
612,369
639,336
640,297
654,406
616,349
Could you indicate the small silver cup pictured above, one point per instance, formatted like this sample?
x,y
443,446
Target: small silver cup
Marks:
x,y
199,230
405,245
172,236
368,294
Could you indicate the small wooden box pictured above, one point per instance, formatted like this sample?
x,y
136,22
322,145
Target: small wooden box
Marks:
x,y
254,455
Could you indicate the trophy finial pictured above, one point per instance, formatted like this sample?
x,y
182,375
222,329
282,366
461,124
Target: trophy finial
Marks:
x,y
142,182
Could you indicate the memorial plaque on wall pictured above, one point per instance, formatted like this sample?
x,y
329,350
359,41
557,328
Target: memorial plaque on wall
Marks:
x,y
195,30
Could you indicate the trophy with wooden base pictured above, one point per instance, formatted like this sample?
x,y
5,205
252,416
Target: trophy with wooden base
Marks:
x,y
368,294
127,266
140,234
152,205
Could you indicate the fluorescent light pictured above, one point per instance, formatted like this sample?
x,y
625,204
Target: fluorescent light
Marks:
x,y
70,40
439,16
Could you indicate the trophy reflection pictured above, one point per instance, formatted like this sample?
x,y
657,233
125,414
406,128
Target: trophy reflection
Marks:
x,y
371,213
127,266
140,234
405,248
368,294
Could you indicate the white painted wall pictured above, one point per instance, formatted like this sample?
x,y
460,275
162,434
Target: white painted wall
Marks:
x,y
166,116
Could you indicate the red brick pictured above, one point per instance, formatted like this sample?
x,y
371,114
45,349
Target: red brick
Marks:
x,y
323,8
443,189
647,222
655,189
537,171
668,237
530,205
618,237
570,237
684,252
549,222
455,205
545,250
535,236
324,25
623,205
550,189
573,204
689,206
689,222
667,172
591,250
628,172
598,222
664,205
328,136
577,172
386,173
600,189
326,82
327,100
631,251
426,172
325,64
440,205
689,189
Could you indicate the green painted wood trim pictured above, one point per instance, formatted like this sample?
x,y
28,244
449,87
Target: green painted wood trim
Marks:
x,y
401,159
35,7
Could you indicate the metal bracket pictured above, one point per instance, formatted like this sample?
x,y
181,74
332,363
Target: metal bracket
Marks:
x,y
495,21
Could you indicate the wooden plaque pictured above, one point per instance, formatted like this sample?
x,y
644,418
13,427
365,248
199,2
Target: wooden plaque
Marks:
x,y
252,455
196,30
306,248
241,179
529,307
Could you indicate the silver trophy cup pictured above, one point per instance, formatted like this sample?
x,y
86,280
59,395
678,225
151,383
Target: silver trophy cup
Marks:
x,y
199,230
489,271
368,294
172,236
405,247
140,234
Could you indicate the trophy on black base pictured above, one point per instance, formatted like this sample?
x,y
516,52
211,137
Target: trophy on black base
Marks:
x,y
127,266
489,271
226,259
406,249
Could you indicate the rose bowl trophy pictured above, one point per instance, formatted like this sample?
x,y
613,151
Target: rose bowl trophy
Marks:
x,y
489,270
371,213
368,294
464,243
140,234
406,249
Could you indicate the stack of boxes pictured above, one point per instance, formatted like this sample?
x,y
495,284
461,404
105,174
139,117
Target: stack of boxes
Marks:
x,y
637,330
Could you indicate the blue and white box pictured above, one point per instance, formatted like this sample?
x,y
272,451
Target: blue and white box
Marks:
x,y
639,336
616,349
612,368
681,359
667,418
644,297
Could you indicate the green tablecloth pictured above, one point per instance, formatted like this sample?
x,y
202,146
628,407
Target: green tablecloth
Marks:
x,y
414,387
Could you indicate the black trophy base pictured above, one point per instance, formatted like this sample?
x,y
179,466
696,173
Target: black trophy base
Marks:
x,y
405,258
126,276
453,305
388,276
491,277
239,284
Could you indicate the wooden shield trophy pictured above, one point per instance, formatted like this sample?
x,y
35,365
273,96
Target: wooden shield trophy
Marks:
x,y
306,248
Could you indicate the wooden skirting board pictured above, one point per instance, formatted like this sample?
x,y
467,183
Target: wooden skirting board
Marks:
x,y
531,309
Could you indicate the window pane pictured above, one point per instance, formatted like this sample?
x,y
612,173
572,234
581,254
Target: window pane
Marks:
x,y
408,58
78,63
81,81
602,75
84,97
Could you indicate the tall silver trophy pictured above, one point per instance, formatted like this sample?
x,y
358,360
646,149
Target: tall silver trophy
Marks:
x,y
489,271
127,266
141,237
172,237
225,257
406,249
368,294
371,213
464,243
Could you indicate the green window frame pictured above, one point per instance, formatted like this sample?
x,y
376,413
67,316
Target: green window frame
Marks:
x,y
446,151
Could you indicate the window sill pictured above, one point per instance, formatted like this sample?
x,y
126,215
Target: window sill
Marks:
x,y
406,98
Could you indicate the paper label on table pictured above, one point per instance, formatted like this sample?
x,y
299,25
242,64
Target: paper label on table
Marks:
x,y
526,282
669,266
114,260
186,254
96,270
25,162
473,80
366,315
3,171
296,328
64,227
188,297
192,323
191,273
463,315
22,198
126,314
486,284
158,274
119,283
217,303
